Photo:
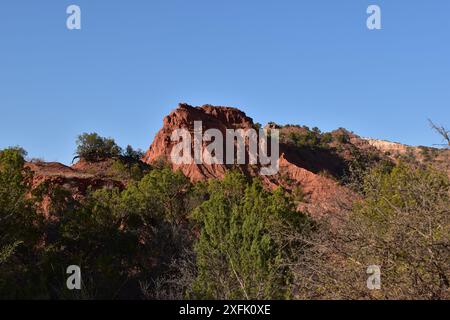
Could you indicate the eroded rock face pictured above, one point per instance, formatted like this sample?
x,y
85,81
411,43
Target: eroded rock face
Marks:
x,y
183,117
322,195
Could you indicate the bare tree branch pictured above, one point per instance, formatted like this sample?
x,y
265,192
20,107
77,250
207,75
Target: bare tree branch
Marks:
x,y
441,131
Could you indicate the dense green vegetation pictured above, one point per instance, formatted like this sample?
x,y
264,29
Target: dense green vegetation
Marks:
x,y
162,237
239,253
304,137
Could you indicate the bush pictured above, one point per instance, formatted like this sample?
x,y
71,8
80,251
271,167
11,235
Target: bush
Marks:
x,y
406,214
326,138
401,224
343,138
127,171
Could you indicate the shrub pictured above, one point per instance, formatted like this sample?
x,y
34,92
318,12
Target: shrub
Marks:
x,y
401,224
343,138
326,138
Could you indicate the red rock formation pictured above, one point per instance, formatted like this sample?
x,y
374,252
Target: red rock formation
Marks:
x,y
298,169
220,118
322,194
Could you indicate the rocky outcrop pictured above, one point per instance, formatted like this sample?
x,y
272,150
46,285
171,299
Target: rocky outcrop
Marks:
x,y
183,117
322,194
392,148
439,158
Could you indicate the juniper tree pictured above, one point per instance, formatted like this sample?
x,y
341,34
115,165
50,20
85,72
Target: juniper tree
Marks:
x,y
239,255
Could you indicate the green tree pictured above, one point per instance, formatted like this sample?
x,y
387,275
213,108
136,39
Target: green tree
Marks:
x,y
119,237
239,255
132,154
92,147
19,225
162,192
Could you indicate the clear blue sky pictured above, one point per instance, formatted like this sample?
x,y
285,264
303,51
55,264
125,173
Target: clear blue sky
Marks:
x,y
305,62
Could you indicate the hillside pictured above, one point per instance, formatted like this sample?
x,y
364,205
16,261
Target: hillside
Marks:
x,y
219,208
313,165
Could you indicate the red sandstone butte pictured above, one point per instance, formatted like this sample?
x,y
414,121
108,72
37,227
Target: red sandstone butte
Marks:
x,y
323,195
